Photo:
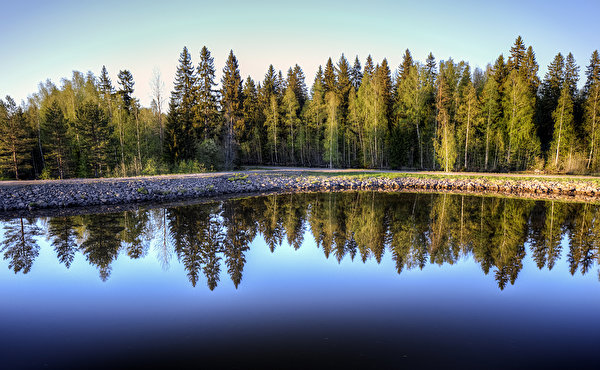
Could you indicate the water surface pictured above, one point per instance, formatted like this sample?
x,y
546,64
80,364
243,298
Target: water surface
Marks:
x,y
369,280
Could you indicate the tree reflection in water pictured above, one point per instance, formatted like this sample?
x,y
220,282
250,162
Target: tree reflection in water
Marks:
x,y
416,229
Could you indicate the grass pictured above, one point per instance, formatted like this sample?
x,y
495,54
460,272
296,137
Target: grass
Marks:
x,y
489,178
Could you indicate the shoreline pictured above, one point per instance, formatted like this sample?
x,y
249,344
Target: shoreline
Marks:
x,y
59,196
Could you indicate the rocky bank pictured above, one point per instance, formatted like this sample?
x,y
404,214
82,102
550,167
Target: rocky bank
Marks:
x,y
83,193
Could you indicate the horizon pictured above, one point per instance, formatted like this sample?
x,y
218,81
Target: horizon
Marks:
x,y
261,34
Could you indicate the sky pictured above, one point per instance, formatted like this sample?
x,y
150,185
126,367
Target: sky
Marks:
x,y
49,39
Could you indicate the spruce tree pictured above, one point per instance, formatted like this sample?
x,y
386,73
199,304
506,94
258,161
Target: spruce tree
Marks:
x,y
95,133
444,144
55,129
252,145
206,109
518,106
591,94
15,138
290,108
548,99
356,74
179,136
407,63
329,77
231,102
517,55
126,89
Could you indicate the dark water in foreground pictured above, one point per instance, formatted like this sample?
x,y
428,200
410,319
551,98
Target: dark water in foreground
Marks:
x,y
353,280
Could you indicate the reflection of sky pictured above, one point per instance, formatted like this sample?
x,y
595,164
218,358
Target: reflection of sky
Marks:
x,y
294,299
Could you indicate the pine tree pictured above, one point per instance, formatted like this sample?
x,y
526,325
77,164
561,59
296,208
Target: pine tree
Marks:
x,y
571,75
231,101
15,138
18,244
315,119
106,89
530,70
179,136
206,109
55,129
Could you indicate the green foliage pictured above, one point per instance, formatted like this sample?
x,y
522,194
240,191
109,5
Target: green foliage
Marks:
x,y
209,155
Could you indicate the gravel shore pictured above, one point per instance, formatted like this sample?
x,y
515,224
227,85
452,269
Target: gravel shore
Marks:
x,y
57,194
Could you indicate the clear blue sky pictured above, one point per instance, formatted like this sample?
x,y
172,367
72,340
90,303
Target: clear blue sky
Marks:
x,y
50,39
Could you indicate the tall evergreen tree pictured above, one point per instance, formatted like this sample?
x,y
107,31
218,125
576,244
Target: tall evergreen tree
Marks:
x,y
329,77
356,74
206,109
15,138
95,134
126,89
517,55
564,133
591,94
55,128
179,136
231,101
252,146
491,110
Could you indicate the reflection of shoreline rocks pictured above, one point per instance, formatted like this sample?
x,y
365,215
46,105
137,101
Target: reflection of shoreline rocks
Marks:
x,y
106,192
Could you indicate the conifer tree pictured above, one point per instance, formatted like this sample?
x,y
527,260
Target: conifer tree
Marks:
x,y
231,101
564,134
356,74
407,63
272,125
548,99
468,118
332,102
591,94
329,77
126,89
290,108
15,137
491,110
445,146
95,133
252,146
179,136
518,106
55,128
206,109
106,89
517,55
315,116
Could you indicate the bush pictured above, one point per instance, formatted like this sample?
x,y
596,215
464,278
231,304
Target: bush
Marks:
x,y
189,167
46,174
209,154
152,168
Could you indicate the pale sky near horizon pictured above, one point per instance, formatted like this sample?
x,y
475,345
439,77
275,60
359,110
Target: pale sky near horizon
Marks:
x,y
49,39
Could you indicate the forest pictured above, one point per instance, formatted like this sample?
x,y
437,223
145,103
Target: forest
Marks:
x,y
433,115
414,229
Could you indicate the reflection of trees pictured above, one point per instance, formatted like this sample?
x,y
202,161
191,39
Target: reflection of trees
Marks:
x,y
18,244
136,232
417,229
62,235
102,243
584,239
240,221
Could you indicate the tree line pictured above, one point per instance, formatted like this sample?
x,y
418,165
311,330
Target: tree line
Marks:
x,y
414,229
442,116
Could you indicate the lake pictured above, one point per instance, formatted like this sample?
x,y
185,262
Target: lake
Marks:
x,y
356,280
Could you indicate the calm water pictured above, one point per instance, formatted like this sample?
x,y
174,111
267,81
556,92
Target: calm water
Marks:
x,y
355,280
